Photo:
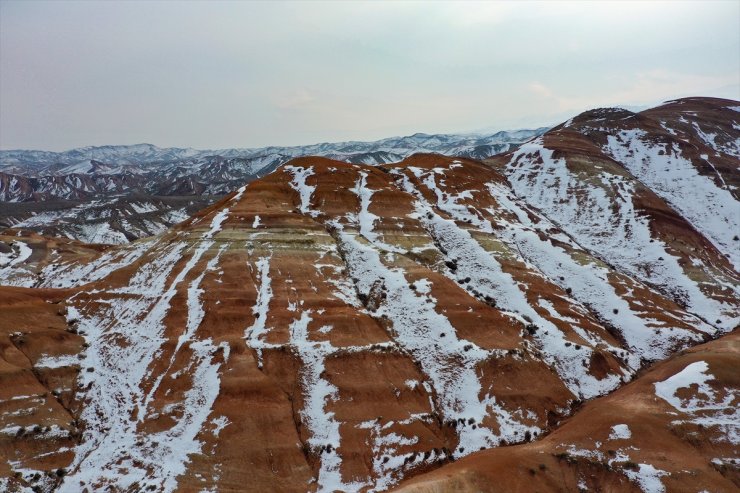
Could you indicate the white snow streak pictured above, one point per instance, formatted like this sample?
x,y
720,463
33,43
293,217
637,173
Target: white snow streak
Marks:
x,y
600,216
706,407
299,185
125,333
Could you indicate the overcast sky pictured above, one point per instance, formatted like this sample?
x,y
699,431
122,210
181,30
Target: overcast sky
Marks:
x,y
250,74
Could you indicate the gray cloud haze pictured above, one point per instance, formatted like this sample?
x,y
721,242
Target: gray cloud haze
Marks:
x,y
248,74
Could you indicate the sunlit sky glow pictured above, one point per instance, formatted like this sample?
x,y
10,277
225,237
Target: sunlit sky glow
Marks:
x,y
250,74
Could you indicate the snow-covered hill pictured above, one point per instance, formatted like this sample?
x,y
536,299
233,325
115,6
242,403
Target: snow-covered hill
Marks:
x,y
40,175
654,193
82,193
343,327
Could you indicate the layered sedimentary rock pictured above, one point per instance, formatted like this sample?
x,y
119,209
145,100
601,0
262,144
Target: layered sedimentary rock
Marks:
x,y
346,327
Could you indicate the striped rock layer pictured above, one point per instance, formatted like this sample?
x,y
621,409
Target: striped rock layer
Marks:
x,y
342,327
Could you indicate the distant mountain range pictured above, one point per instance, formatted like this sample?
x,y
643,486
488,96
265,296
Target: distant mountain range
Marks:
x,y
28,175
114,194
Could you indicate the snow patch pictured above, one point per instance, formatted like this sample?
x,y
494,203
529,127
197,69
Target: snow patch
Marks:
x,y
299,185
648,477
705,406
620,432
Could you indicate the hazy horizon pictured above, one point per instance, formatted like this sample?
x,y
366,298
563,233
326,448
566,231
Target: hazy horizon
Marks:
x,y
251,74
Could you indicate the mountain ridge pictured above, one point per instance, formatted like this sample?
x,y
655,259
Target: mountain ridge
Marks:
x,y
158,154
109,186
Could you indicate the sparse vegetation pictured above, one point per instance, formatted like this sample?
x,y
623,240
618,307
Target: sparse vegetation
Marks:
x,y
566,457
631,465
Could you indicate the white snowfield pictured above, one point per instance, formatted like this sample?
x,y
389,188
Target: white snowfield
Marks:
x,y
591,283
74,274
601,217
91,222
68,274
731,147
12,271
709,207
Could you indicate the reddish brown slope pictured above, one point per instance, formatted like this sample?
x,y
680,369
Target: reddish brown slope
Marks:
x,y
631,440
37,427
